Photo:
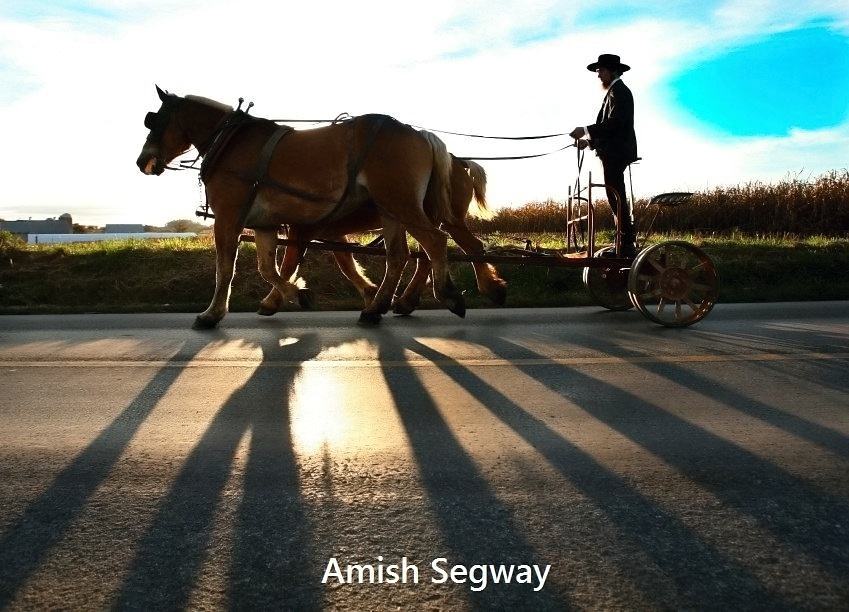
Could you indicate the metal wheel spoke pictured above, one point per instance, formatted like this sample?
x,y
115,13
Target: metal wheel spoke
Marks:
x,y
657,266
673,283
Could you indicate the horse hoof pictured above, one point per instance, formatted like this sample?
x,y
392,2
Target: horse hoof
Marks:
x,y
204,323
402,307
306,299
457,306
369,318
265,311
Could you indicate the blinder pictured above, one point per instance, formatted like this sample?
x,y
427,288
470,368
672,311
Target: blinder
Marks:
x,y
150,120
157,122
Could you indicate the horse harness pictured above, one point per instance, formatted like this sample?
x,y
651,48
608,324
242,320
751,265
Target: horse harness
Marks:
x,y
232,123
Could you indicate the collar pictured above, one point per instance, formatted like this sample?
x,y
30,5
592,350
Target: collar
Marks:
x,y
612,83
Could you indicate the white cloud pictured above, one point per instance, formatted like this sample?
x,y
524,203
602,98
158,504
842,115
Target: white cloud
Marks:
x,y
71,142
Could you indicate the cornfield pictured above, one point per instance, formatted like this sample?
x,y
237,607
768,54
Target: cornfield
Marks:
x,y
818,206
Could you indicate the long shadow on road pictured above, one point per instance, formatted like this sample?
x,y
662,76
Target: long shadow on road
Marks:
x,y
27,542
477,526
272,565
796,512
679,553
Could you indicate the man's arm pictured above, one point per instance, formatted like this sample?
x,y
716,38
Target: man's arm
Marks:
x,y
620,103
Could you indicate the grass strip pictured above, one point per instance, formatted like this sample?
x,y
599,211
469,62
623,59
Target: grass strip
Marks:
x,y
179,275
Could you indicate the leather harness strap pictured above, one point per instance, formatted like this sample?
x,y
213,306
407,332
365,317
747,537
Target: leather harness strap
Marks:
x,y
261,174
221,136
260,179
355,164
265,155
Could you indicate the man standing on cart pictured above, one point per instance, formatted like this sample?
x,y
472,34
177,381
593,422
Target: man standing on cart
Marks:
x,y
613,139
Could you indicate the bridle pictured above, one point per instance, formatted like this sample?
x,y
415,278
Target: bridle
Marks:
x,y
157,122
231,123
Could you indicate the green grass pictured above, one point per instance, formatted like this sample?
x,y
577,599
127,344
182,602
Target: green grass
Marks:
x,y
179,275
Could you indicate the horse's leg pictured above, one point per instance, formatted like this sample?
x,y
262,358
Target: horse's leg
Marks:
x,y
266,256
397,253
434,242
226,248
409,300
353,272
489,283
292,257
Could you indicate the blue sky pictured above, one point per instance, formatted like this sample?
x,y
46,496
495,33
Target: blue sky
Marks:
x,y
726,92
36,11
771,85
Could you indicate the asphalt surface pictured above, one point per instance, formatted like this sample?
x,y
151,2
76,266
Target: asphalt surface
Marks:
x,y
148,466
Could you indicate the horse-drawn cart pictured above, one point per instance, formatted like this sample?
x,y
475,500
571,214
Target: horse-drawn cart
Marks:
x,y
672,283
373,171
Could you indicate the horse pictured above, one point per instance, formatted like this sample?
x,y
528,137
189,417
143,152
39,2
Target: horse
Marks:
x,y
261,175
468,181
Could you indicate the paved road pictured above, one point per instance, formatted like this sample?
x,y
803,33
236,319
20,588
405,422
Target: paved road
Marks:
x,y
147,466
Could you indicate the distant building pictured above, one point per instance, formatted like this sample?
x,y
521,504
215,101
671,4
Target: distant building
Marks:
x,y
123,228
64,238
63,225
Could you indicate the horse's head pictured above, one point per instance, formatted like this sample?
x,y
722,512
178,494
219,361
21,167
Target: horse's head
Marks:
x,y
167,138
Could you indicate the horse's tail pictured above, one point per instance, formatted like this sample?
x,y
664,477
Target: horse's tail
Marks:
x,y
440,179
478,175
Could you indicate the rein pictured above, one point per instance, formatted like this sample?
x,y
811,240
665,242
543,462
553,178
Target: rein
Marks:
x,y
228,125
347,117
542,137
517,156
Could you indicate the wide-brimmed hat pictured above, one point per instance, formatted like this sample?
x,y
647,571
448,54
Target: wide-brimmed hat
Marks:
x,y
609,61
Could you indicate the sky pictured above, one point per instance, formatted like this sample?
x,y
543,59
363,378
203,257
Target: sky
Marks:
x,y
725,92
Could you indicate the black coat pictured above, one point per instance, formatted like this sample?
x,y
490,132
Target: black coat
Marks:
x,y
612,135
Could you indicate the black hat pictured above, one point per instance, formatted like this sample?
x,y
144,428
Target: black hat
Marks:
x,y
609,61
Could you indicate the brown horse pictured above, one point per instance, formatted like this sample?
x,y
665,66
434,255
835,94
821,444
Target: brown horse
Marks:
x,y
261,175
468,180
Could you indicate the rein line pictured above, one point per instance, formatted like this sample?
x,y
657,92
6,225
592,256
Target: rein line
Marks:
x,y
517,156
230,123
184,165
541,137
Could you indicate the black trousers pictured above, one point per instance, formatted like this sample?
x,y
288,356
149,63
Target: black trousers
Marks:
x,y
614,177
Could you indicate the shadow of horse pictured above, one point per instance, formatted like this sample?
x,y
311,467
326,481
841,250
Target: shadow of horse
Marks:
x,y
28,541
678,553
272,564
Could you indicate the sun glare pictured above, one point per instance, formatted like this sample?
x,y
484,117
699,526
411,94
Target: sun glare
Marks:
x,y
318,412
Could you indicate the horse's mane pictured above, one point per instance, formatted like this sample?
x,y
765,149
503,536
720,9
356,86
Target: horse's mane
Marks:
x,y
209,102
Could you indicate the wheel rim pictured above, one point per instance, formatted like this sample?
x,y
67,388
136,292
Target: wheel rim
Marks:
x,y
608,286
673,283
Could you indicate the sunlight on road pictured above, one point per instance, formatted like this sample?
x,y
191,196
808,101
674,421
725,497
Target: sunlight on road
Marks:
x,y
342,408
318,412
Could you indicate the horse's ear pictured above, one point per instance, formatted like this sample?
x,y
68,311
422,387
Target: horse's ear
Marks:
x,y
162,94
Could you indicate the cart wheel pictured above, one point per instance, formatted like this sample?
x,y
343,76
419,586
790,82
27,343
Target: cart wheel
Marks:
x,y
673,283
608,286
